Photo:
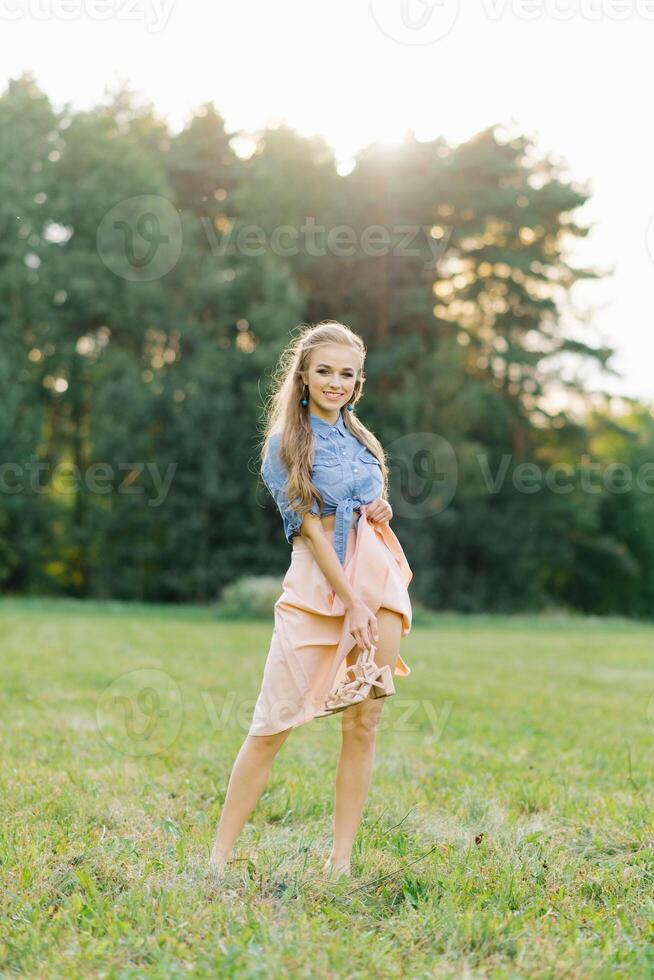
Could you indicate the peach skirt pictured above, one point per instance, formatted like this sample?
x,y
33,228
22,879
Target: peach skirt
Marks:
x,y
311,640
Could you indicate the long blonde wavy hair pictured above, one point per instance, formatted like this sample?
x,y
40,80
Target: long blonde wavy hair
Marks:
x,y
284,414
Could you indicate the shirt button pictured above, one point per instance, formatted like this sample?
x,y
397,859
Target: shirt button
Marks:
x,y
355,470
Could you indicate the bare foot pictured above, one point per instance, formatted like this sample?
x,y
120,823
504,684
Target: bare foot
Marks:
x,y
217,863
340,867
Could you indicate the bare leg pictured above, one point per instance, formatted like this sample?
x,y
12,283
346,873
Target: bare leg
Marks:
x,y
247,782
359,732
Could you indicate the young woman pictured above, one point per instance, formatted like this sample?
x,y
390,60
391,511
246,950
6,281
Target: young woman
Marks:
x,y
345,592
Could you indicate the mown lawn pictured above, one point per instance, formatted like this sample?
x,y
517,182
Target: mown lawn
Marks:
x,y
508,831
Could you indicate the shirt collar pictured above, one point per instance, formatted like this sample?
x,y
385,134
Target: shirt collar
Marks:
x,y
322,428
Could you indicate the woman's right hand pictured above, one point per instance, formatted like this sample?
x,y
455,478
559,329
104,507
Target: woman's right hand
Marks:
x,y
363,624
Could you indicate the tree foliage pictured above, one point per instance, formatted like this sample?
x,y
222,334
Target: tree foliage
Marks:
x,y
136,398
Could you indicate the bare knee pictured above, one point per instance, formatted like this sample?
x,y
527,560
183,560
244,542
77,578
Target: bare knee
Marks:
x,y
268,744
359,723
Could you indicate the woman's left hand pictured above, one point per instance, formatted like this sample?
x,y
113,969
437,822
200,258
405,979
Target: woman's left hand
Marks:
x,y
379,510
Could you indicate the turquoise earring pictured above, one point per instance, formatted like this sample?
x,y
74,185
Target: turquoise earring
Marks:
x,y
350,408
304,401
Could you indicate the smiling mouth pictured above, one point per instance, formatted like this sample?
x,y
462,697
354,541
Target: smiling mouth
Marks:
x,y
334,394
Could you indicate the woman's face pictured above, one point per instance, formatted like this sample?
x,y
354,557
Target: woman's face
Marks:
x,y
333,368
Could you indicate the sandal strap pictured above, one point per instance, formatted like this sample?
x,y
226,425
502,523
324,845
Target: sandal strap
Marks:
x,y
366,674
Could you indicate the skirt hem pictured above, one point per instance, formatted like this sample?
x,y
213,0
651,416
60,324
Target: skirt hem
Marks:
x,y
310,641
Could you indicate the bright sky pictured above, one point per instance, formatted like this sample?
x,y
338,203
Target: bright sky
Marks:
x,y
573,74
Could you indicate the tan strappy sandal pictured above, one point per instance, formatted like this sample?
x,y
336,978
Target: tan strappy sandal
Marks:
x,y
369,680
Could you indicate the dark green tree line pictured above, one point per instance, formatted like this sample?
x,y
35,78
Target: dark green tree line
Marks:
x,y
451,263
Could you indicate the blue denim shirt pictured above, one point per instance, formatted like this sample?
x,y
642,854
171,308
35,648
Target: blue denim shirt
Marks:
x,y
344,470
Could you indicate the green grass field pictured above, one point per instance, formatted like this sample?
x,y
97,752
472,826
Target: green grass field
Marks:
x,y
508,831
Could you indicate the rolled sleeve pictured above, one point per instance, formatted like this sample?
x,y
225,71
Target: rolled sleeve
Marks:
x,y
274,475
